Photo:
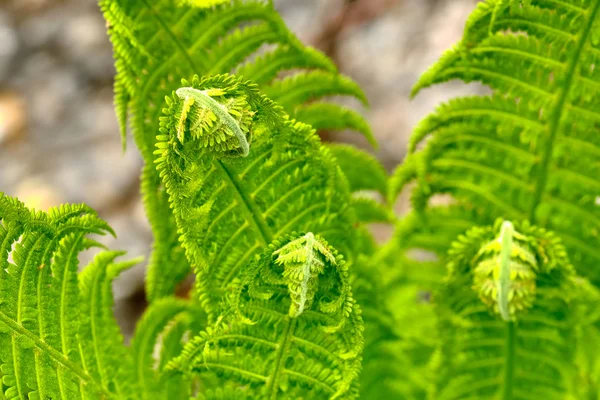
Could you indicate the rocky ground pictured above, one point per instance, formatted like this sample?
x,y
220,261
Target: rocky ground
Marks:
x,y
59,139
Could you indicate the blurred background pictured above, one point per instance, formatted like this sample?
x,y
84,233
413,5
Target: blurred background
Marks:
x,y
59,139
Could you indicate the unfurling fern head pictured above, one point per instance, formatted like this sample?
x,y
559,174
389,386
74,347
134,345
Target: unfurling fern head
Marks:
x,y
309,268
218,118
507,316
505,264
290,329
505,273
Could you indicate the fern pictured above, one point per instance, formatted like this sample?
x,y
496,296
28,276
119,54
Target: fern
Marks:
x,y
291,328
234,169
166,322
228,209
509,334
529,150
57,336
157,44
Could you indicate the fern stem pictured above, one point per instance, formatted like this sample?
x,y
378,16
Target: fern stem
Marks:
x,y
288,333
504,280
253,211
509,355
57,356
558,113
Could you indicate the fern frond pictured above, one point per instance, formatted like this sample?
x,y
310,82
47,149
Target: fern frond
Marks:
x,y
530,150
309,86
325,116
228,209
158,43
265,68
164,324
363,170
292,330
58,340
527,353
369,210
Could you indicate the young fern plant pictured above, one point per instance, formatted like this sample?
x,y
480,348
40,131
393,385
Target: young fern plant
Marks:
x,y
234,170
508,314
230,202
528,152
290,329
156,44
229,206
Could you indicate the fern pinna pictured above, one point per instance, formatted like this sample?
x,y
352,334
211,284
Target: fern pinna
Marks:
x,y
156,44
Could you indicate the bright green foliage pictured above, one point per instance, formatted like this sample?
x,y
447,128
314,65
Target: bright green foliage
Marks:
x,y
234,168
202,3
291,329
228,209
156,44
58,338
166,322
505,272
368,181
530,149
483,356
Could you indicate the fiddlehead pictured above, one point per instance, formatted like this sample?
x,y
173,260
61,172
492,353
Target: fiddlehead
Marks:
x,y
505,273
506,316
218,119
290,329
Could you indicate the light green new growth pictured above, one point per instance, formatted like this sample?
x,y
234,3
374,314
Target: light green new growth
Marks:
x,y
483,354
303,260
156,44
505,273
291,329
504,284
218,118
203,3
